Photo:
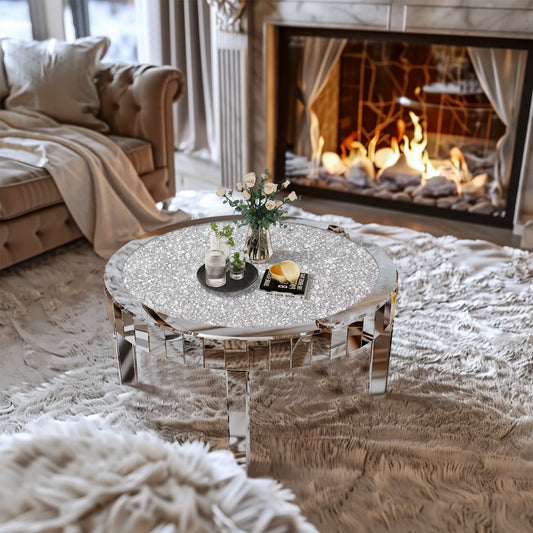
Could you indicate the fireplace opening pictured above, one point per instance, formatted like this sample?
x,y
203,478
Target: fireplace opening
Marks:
x,y
431,124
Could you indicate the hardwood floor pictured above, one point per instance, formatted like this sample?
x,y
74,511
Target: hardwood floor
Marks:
x,y
199,174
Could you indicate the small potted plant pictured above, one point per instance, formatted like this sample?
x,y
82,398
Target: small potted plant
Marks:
x,y
237,264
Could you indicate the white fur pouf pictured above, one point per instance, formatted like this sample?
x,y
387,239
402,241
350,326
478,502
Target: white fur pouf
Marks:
x,y
77,477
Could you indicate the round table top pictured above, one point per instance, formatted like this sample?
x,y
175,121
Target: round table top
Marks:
x,y
156,277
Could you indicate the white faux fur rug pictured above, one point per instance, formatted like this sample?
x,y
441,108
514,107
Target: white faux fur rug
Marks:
x,y
65,476
449,448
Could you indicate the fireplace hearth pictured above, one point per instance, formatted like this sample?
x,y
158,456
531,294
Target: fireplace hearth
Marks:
x,y
415,122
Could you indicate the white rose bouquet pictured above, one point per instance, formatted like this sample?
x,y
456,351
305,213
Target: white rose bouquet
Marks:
x,y
258,205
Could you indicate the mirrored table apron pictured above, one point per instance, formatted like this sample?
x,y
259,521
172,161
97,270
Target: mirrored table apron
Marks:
x,y
158,307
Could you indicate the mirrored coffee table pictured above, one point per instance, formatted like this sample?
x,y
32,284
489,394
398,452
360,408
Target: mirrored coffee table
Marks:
x,y
158,307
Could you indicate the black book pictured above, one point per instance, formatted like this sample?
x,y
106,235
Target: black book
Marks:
x,y
297,288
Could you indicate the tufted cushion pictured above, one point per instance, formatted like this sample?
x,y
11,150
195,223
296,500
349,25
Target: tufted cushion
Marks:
x,y
56,78
25,188
35,233
139,152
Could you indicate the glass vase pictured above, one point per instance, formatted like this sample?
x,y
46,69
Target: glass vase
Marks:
x,y
220,243
258,244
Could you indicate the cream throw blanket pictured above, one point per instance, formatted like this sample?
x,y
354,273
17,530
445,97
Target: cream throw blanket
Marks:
x,y
98,183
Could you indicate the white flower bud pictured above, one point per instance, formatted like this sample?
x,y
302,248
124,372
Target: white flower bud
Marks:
x,y
286,183
292,196
246,195
249,179
221,192
238,186
270,204
270,188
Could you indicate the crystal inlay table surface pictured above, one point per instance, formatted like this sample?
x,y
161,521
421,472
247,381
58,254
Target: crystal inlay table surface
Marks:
x,y
158,307
162,274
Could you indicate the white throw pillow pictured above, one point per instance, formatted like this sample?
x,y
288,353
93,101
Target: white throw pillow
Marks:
x,y
56,78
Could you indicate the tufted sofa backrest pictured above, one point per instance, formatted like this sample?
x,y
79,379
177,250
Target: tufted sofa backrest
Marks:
x,y
141,110
121,95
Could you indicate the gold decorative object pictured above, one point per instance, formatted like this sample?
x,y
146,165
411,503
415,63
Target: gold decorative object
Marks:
x,y
286,271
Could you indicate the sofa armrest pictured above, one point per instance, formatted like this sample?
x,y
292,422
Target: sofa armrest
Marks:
x,y
136,101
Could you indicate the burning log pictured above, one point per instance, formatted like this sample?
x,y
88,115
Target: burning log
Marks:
x,y
360,172
386,157
476,187
403,171
438,186
459,162
400,175
333,164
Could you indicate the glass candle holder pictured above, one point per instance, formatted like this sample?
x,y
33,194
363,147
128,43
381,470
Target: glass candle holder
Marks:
x,y
215,268
236,273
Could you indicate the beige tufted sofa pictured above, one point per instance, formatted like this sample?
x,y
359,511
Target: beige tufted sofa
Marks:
x,y
136,102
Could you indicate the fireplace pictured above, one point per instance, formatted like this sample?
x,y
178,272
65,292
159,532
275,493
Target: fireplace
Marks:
x,y
430,124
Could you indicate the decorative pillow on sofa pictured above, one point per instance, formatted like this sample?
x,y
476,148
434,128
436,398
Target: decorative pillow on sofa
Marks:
x,y
56,78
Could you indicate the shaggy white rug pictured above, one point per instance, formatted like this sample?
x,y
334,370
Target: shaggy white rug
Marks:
x,y
79,477
449,448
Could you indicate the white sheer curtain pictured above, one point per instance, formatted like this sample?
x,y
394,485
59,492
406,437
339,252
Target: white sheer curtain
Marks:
x,y
501,75
47,19
178,33
319,56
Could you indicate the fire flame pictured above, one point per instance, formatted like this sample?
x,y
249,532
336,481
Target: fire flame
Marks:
x,y
414,151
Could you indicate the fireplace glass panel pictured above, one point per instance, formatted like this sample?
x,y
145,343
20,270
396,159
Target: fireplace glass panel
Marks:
x,y
423,124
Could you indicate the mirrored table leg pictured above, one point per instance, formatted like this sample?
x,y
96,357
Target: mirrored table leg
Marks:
x,y
238,401
379,366
127,364
381,347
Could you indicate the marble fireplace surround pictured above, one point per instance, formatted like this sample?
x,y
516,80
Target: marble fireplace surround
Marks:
x,y
244,32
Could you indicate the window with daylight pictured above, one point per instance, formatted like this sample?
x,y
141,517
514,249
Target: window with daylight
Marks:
x,y
15,19
115,19
71,19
